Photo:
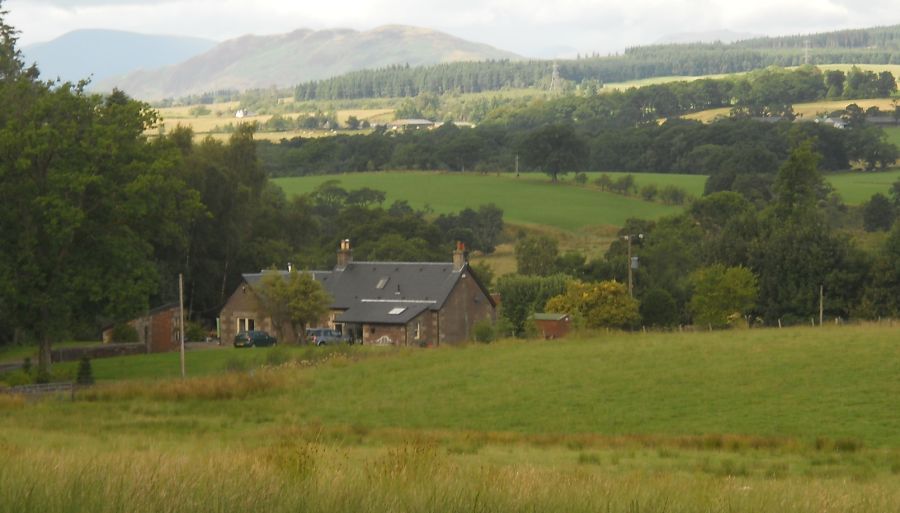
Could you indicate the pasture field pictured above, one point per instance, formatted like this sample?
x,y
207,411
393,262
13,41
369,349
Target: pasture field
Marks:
x,y
798,419
857,187
529,200
803,110
222,114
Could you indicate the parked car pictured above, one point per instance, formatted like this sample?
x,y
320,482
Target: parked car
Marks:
x,y
254,339
325,336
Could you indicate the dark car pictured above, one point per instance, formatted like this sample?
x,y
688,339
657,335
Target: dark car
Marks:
x,y
254,339
325,336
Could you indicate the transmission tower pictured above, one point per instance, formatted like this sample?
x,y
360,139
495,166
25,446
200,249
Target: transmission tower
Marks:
x,y
554,79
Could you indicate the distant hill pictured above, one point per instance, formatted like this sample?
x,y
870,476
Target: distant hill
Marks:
x,y
288,59
878,45
104,53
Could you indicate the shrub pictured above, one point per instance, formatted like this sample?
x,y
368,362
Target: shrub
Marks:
x,y
124,333
26,364
649,192
16,378
85,373
658,308
484,331
581,178
194,332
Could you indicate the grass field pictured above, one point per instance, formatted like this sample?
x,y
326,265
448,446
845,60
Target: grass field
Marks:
x,y
857,187
800,419
527,200
222,114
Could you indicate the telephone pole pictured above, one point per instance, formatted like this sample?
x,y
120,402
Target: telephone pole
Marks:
x,y
181,318
632,262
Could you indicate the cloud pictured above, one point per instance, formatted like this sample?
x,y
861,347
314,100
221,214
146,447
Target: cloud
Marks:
x,y
523,26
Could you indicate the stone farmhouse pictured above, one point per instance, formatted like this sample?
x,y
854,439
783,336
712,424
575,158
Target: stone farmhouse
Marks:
x,y
381,303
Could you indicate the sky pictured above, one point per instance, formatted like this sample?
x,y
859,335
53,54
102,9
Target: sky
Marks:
x,y
535,28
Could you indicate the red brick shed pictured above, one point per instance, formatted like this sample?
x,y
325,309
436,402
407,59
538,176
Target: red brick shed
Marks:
x,y
552,325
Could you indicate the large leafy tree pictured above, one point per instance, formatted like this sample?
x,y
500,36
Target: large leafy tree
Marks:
x,y
722,295
295,300
81,200
555,150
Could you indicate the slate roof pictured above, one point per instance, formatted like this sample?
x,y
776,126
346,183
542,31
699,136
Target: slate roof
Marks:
x,y
368,291
380,312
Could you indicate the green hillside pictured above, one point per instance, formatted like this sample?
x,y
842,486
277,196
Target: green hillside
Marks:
x,y
529,199
739,421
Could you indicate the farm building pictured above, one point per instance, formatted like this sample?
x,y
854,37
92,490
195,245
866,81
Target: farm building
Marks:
x,y
158,329
552,325
381,303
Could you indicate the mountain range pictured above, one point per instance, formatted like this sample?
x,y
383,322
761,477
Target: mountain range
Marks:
x,y
99,54
287,59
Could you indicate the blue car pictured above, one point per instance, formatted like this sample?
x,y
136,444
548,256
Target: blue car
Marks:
x,y
254,339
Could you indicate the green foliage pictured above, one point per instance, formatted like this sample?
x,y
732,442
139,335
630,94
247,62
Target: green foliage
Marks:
x,y
523,296
878,213
85,374
124,332
554,149
722,295
485,274
484,331
604,304
194,332
295,300
537,255
658,308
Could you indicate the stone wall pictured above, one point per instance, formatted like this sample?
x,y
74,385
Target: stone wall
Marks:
x,y
467,305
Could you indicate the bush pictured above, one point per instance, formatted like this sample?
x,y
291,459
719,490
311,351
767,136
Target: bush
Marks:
x,y
649,192
85,373
658,308
484,331
581,178
194,332
124,333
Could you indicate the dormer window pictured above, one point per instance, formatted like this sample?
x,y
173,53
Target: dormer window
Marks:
x,y
382,282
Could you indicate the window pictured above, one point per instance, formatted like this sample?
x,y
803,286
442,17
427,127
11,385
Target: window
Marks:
x,y
397,310
417,332
382,282
245,324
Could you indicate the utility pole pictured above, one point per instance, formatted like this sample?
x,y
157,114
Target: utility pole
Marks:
x,y
632,262
517,165
181,318
821,304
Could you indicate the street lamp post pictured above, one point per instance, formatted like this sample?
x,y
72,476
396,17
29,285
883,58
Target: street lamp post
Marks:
x,y
632,262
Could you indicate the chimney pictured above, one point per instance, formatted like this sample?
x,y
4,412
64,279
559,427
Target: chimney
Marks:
x,y
344,255
459,257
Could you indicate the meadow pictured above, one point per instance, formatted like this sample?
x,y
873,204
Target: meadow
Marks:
x,y
857,187
798,419
528,200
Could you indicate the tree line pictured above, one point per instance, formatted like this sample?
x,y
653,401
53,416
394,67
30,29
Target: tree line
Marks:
x,y
99,220
866,46
724,261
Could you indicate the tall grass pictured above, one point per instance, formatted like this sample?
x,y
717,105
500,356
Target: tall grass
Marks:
x,y
410,478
